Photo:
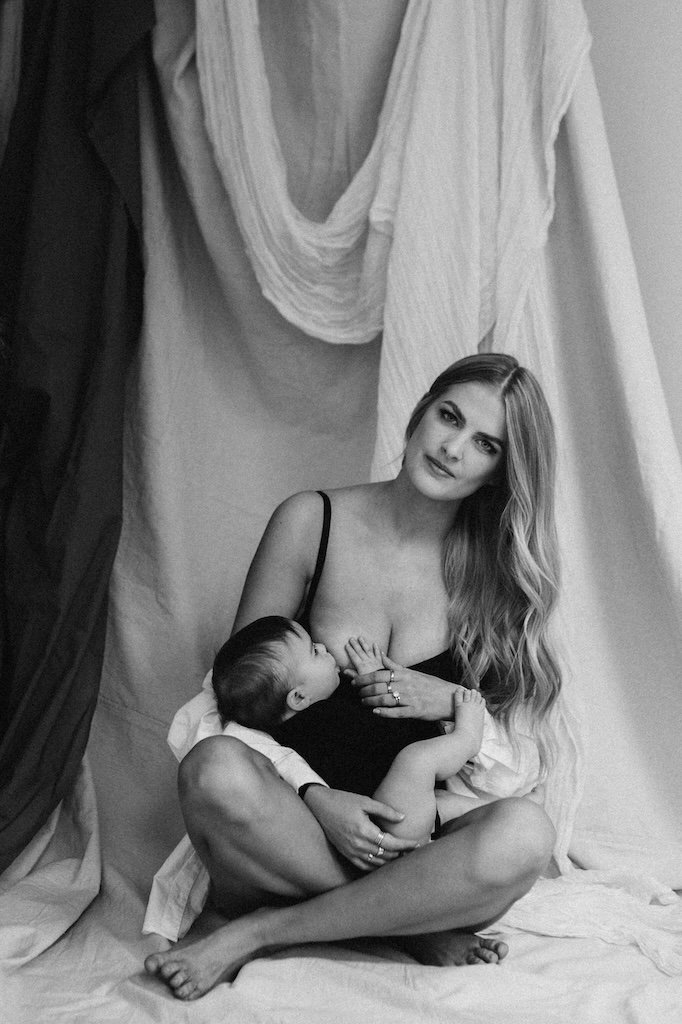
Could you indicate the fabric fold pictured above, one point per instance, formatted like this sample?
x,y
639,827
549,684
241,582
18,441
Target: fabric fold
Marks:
x,y
57,875
70,302
327,278
477,190
613,906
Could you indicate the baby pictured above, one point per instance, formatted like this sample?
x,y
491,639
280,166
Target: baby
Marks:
x,y
271,670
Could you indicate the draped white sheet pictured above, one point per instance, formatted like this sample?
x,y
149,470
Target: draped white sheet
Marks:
x,y
231,407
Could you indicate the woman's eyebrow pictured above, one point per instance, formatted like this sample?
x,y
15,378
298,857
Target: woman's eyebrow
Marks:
x,y
481,433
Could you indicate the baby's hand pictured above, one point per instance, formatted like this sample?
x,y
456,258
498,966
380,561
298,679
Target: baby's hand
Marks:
x,y
469,716
364,656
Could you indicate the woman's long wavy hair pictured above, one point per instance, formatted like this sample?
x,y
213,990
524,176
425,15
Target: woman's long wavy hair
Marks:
x,y
500,557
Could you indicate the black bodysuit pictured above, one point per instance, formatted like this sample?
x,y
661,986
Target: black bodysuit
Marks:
x,y
351,748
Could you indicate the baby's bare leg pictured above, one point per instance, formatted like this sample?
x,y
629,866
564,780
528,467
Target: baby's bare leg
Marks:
x,y
409,785
410,781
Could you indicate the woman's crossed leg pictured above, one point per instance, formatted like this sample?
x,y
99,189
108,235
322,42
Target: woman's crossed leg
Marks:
x,y
270,862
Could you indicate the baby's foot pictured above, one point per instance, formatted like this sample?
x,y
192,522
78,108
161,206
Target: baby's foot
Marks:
x,y
364,656
469,716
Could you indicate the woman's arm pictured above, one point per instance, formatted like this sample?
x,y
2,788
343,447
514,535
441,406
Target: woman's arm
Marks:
x,y
347,822
284,561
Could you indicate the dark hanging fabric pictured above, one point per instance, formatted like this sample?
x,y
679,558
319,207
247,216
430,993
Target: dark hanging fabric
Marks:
x,y
70,313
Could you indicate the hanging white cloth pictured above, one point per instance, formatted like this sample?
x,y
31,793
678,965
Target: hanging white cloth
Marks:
x,y
329,277
437,235
477,188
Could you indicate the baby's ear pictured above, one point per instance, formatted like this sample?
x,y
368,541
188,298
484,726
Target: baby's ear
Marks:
x,y
297,700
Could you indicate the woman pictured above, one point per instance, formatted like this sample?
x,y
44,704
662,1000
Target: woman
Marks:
x,y
451,567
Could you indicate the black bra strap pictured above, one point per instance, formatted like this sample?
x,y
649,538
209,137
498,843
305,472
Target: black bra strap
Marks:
x,y
321,555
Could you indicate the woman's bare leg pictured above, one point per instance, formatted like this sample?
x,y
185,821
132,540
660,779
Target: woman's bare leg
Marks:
x,y
255,835
249,829
488,859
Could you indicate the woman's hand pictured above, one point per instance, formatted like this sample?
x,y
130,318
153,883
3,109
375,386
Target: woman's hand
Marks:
x,y
345,819
397,692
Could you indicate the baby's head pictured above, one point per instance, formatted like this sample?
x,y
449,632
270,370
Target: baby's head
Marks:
x,y
268,671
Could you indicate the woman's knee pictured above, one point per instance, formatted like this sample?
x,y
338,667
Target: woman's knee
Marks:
x,y
224,773
518,843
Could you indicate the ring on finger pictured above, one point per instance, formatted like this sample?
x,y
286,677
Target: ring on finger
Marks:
x,y
380,838
396,697
380,851
370,856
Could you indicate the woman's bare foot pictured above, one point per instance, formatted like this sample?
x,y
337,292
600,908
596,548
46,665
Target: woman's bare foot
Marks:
x,y
192,968
453,949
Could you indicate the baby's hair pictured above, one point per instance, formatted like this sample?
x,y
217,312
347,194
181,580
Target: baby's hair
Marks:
x,y
251,680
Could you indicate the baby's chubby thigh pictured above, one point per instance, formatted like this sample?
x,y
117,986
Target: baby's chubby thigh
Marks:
x,y
408,787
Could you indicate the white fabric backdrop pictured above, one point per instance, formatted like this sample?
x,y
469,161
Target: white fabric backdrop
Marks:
x,y
231,408
252,408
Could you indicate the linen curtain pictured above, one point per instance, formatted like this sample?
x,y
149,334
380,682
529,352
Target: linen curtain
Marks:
x,y
71,307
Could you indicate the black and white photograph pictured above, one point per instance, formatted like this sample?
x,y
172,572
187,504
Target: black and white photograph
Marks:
x,y
341,512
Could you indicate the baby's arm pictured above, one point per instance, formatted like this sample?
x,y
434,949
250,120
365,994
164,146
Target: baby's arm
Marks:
x,y
364,656
409,783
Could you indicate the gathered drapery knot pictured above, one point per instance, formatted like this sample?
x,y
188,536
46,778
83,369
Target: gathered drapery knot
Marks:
x,y
327,278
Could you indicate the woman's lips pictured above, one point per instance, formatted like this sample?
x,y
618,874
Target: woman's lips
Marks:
x,y
435,464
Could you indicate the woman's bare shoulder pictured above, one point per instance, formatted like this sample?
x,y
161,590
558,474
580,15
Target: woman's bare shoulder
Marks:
x,y
284,559
301,509
305,506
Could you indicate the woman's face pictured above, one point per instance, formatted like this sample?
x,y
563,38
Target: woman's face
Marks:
x,y
459,444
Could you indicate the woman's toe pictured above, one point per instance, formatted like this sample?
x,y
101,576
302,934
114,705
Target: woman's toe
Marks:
x,y
185,991
153,963
488,956
169,970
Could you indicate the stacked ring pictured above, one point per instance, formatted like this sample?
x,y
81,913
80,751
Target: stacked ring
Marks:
x,y
396,697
